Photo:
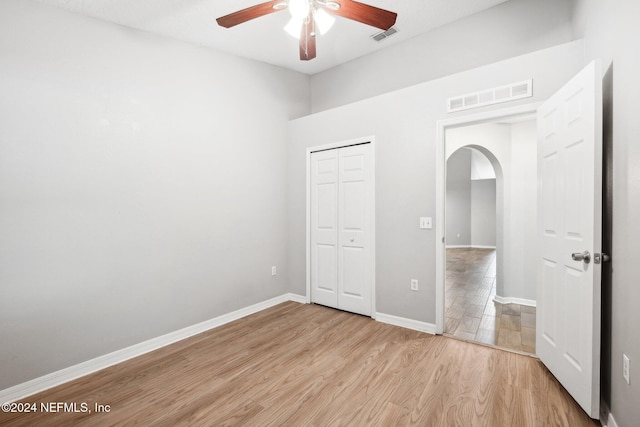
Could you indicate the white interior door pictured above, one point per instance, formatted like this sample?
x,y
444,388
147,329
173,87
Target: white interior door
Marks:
x,y
569,222
324,228
354,236
342,228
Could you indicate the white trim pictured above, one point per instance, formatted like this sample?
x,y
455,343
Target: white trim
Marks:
x,y
333,145
474,99
296,298
403,322
440,228
514,300
62,376
606,417
469,247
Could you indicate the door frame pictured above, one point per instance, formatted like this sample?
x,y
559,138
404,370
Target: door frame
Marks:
x,y
441,180
372,202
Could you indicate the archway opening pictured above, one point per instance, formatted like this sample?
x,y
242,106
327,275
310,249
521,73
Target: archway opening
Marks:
x,y
474,223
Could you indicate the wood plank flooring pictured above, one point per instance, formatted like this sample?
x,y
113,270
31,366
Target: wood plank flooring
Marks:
x,y
297,364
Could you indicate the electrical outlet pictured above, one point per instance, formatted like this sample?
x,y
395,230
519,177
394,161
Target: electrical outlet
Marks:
x,y
414,285
273,270
625,368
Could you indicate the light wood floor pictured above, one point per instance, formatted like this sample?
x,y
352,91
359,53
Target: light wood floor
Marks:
x,y
471,313
296,364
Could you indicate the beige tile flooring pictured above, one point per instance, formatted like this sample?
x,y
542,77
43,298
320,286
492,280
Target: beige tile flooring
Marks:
x,y
471,313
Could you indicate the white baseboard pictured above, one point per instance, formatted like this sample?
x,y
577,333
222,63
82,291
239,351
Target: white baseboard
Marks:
x,y
296,298
606,418
514,300
469,247
62,376
416,325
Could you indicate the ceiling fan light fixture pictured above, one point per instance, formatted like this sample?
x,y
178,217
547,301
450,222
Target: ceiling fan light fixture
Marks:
x,y
299,9
331,5
309,16
294,27
279,6
324,21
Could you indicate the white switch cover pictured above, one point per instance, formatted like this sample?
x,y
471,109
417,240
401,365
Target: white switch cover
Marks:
x,y
425,222
273,270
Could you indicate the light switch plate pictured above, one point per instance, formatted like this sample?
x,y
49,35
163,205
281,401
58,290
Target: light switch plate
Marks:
x,y
625,368
426,222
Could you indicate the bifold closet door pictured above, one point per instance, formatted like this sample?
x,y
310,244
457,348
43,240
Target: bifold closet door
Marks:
x,y
341,228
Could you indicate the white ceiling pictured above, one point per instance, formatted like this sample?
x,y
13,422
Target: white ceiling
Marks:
x,y
263,39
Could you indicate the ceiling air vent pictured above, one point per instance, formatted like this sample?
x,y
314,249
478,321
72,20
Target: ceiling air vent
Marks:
x,y
491,96
384,34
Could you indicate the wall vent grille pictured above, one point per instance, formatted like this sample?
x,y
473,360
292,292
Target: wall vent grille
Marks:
x,y
496,95
384,34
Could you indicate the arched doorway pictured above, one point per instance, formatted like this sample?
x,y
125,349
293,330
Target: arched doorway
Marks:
x,y
474,186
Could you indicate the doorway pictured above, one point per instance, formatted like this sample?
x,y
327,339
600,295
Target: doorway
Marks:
x,y
569,231
489,288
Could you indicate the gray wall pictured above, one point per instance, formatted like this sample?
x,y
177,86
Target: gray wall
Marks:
x,y
483,212
523,210
504,31
471,204
458,199
142,186
611,33
404,125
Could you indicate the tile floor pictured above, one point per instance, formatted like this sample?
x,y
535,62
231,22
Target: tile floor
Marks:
x,y
471,313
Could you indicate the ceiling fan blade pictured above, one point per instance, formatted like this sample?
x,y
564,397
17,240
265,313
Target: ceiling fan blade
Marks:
x,y
307,40
366,14
250,13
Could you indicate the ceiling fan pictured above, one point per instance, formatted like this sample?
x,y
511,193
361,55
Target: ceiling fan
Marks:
x,y
308,17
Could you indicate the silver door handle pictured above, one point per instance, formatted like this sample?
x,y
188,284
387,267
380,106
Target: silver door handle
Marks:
x,y
581,256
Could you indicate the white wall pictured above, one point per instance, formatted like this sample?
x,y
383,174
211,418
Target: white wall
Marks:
x,y
483,213
471,203
611,33
458,199
524,202
514,147
509,29
404,124
481,167
142,186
